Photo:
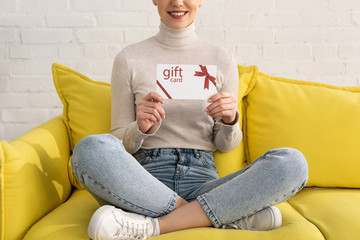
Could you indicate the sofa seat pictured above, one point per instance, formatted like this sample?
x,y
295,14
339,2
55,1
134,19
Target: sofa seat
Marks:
x,y
69,221
334,211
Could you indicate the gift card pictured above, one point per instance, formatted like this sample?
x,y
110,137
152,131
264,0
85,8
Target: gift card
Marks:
x,y
175,81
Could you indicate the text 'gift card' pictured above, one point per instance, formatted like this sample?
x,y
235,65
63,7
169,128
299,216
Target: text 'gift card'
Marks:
x,y
175,81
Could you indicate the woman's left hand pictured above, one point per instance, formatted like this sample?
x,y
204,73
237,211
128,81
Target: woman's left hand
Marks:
x,y
224,105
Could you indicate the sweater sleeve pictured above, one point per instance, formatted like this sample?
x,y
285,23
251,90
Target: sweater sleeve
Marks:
x,y
123,108
228,137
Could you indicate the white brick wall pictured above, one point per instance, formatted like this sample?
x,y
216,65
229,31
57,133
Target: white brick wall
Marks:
x,y
314,40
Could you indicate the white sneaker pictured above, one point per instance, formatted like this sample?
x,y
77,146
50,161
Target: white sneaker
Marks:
x,y
109,222
267,219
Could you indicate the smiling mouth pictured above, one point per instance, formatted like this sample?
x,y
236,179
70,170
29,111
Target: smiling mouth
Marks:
x,y
178,14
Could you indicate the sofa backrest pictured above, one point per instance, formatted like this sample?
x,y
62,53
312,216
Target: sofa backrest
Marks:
x,y
320,120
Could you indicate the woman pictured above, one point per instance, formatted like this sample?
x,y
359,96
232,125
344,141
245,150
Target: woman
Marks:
x,y
170,182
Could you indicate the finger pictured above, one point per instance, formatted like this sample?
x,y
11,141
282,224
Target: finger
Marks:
x,y
145,125
225,114
222,101
219,102
150,111
155,97
222,109
154,105
144,116
219,96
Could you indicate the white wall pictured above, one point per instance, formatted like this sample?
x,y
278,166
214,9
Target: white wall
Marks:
x,y
314,40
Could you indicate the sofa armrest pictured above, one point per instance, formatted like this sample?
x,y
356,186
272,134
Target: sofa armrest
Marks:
x,y
34,177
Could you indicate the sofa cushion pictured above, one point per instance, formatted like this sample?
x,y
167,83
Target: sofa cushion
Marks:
x,y
86,103
33,177
294,227
320,120
69,221
334,211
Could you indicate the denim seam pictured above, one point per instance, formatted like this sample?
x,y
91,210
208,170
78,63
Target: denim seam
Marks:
x,y
208,210
180,173
205,205
171,205
192,195
286,196
113,194
295,190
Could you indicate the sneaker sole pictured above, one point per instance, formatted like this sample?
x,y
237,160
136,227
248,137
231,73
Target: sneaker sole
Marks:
x,y
97,219
277,217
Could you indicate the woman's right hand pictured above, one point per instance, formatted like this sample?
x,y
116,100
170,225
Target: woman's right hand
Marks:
x,y
149,111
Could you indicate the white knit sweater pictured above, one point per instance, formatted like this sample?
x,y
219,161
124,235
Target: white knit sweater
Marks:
x,y
186,125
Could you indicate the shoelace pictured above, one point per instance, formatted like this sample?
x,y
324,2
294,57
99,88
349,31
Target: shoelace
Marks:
x,y
242,223
130,231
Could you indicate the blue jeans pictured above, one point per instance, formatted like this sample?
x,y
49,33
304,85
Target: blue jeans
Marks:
x,y
150,182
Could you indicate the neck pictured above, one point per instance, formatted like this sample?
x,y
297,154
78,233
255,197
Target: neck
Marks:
x,y
184,37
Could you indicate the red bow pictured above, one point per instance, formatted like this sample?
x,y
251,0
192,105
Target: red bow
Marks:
x,y
208,77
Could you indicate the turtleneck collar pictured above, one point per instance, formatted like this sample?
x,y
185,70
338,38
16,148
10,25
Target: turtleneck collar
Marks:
x,y
179,38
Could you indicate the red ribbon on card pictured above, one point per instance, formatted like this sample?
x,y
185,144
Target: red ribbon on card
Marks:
x,y
208,77
163,89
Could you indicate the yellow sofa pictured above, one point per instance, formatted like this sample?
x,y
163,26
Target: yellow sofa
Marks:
x,y
41,198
